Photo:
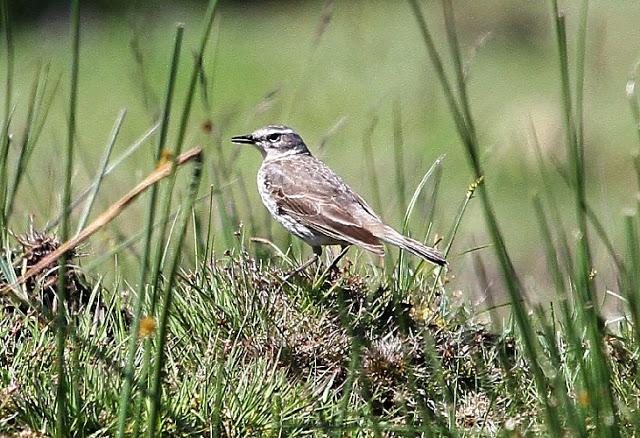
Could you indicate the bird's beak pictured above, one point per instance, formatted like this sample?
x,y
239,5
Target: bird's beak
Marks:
x,y
243,139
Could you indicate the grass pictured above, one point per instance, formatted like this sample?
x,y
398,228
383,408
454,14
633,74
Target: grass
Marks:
x,y
198,330
61,289
144,265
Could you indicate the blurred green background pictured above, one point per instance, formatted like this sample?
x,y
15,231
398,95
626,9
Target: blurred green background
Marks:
x,y
339,69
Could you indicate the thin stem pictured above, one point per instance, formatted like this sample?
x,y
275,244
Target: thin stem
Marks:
x,y
125,393
452,37
61,320
398,146
126,154
166,208
470,142
4,135
184,122
580,57
8,40
27,142
101,172
167,299
370,161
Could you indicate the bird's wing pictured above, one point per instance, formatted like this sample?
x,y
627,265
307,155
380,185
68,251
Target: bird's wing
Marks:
x,y
310,192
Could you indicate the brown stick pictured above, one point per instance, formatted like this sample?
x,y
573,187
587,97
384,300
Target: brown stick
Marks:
x,y
162,171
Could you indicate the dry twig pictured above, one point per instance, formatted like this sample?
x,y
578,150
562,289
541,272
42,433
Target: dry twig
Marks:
x,y
162,171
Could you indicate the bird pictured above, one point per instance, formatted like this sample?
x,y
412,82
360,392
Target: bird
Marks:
x,y
313,203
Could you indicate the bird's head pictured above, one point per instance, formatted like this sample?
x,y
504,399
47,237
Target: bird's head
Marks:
x,y
274,141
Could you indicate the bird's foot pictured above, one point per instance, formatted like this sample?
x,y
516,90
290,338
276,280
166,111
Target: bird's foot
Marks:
x,y
301,268
332,272
333,267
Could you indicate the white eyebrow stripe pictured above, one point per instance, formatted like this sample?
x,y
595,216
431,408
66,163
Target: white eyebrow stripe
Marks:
x,y
278,127
273,130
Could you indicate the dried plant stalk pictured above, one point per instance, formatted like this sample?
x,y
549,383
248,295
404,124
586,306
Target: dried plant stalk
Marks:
x,y
162,171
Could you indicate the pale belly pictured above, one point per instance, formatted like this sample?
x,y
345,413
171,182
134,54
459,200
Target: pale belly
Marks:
x,y
310,236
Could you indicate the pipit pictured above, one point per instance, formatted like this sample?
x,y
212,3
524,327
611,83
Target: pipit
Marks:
x,y
316,205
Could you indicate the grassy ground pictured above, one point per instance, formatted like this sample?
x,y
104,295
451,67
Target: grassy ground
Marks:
x,y
174,318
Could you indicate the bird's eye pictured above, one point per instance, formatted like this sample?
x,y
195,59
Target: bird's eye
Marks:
x,y
273,137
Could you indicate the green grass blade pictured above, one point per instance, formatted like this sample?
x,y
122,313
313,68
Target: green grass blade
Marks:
x,y
33,129
549,191
402,269
633,280
512,281
369,158
416,193
23,156
454,231
166,207
597,225
113,166
184,122
225,220
580,56
559,385
129,242
631,91
603,404
4,135
576,358
167,299
551,254
61,317
125,394
452,37
398,153
9,50
101,171
449,95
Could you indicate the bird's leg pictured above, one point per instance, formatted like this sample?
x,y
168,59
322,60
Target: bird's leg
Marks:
x,y
334,263
332,267
317,252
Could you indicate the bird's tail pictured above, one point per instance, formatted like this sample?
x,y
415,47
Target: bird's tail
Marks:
x,y
391,236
